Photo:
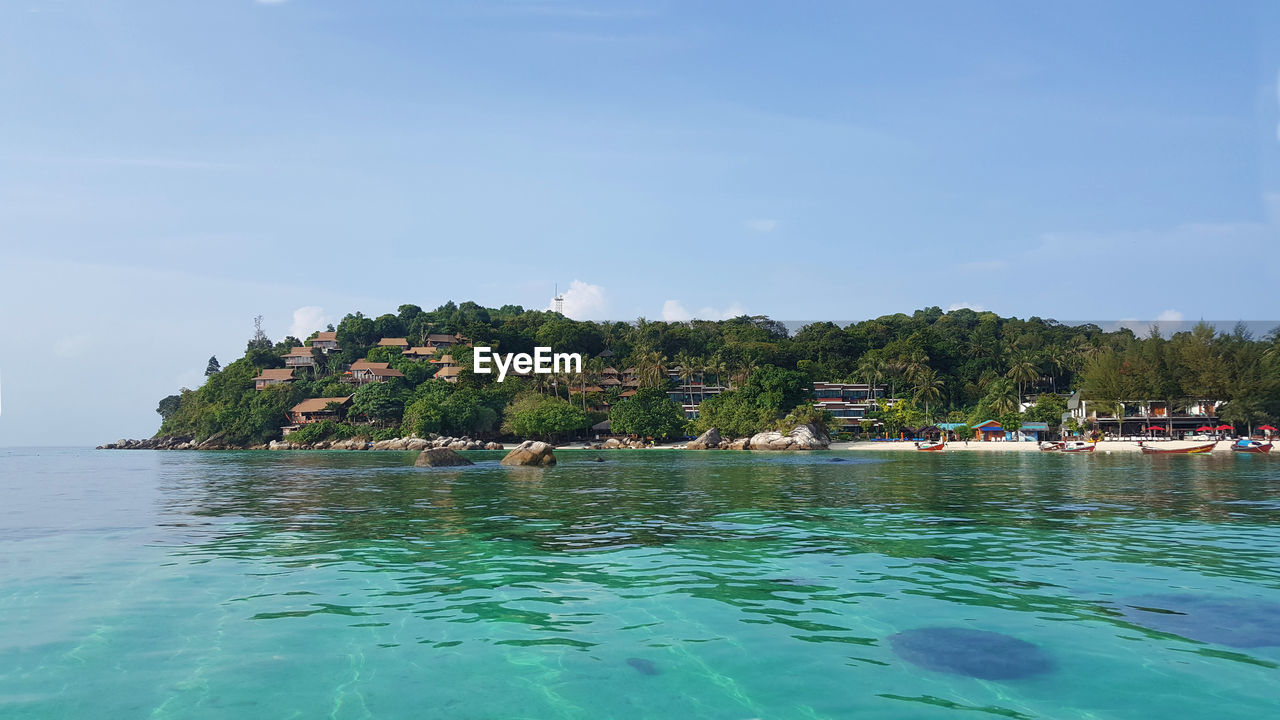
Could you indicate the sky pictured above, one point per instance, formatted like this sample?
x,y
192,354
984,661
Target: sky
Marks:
x,y
170,169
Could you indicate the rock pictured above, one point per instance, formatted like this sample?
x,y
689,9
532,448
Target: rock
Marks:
x,y
803,437
416,444
531,453
440,457
708,440
494,446
612,443
738,444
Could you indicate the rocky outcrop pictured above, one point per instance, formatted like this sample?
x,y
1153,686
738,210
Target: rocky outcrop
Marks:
x,y
709,440
803,437
440,457
494,446
168,442
531,453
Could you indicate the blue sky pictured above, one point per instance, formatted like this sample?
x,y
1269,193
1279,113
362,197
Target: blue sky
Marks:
x,y
169,169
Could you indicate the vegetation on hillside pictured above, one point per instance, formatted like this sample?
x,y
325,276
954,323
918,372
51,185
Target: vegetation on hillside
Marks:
x,y
961,366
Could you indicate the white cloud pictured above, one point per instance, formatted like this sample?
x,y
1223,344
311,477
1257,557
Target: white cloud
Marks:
x,y
762,225
1169,316
307,320
674,311
584,301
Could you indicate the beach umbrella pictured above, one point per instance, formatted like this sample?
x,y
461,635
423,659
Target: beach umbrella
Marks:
x,y
1204,428
1267,428
1155,428
1225,427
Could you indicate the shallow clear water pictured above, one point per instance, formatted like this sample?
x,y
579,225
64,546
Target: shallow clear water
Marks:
x,y
653,585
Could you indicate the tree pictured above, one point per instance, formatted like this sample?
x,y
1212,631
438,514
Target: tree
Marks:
x,y
212,368
259,341
535,415
648,413
169,406
928,388
381,402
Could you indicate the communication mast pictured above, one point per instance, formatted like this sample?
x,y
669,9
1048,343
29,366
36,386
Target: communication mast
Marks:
x,y
559,300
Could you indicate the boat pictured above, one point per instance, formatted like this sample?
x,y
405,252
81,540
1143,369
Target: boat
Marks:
x,y
1251,446
1078,446
1051,446
1193,450
932,446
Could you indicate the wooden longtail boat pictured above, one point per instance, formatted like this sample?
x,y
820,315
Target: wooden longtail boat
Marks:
x,y
1193,450
1251,446
931,446
1078,446
1051,446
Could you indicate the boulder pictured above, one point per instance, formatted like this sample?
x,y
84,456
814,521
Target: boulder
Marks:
x,y
440,457
708,440
612,443
416,444
737,444
531,453
803,437
494,446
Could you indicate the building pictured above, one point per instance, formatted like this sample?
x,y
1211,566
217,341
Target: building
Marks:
x,y
273,377
419,352
449,374
299,357
1031,431
1177,418
441,340
317,409
363,372
443,361
400,343
988,431
848,402
690,392
326,341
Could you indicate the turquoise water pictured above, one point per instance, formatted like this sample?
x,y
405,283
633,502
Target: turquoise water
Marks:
x,y
654,585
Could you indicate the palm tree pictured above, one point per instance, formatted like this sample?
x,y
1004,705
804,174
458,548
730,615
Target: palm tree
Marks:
x,y
1056,358
687,367
1023,370
915,364
928,387
871,370
651,366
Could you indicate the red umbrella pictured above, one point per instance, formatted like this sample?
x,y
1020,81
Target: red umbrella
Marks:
x,y
1204,428
1225,427
1154,428
1266,427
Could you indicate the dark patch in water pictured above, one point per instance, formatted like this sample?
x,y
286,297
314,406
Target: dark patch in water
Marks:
x,y
838,460
598,459
642,666
975,653
1234,622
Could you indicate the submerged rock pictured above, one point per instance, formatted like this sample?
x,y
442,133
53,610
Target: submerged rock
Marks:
x,y
440,457
1234,622
642,666
531,453
975,653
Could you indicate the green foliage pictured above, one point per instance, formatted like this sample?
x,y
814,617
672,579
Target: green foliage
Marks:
x,y
323,430
212,367
648,413
169,406
901,414
542,416
381,402
964,432
757,405
1048,409
806,414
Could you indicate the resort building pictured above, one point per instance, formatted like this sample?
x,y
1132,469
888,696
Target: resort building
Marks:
x,y
363,372
443,361
440,340
419,352
400,343
275,376
848,402
1175,418
988,431
689,391
449,374
299,357
326,341
317,409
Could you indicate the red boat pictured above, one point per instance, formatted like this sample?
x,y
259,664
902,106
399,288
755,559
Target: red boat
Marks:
x,y
1078,446
930,446
1051,446
1193,450
1251,446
